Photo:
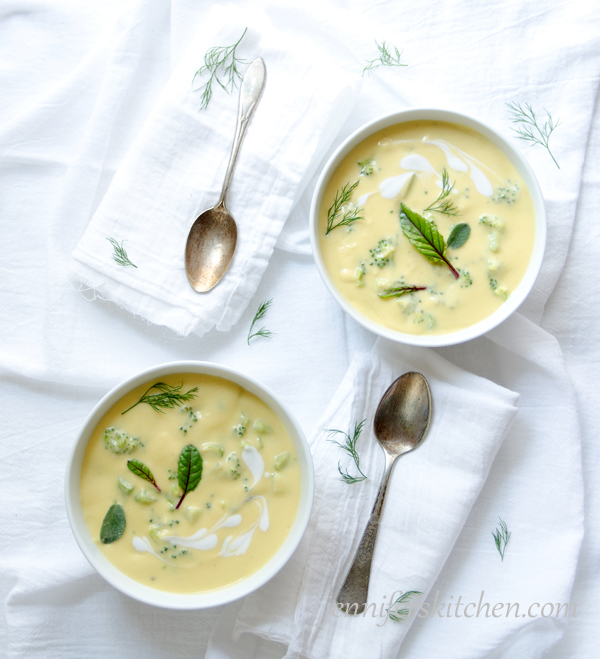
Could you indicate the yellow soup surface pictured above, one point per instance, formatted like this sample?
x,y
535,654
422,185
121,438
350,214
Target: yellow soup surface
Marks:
x,y
448,175
235,519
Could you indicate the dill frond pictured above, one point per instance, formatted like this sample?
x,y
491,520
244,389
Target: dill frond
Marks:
x,y
221,62
119,255
400,615
343,208
259,315
501,537
385,58
442,204
528,127
169,396
349,446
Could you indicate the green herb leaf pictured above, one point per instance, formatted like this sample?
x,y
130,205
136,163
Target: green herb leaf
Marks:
x,y
501,537
528,127
459,235
113,524
189,470
259,315
140,469
349,446
397,291
386,57
400,615
345,216
442,204
425,237
119,254
169,396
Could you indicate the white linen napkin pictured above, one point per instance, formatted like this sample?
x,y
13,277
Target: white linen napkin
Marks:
x,y
175,170
429,497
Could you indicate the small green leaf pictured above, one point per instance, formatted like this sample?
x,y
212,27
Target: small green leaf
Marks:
x,y
113,525
398,291
189,470
459,235
140,469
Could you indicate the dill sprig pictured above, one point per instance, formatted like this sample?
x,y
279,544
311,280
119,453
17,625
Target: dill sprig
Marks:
x,y
259,315
442,204
120,255
399,615
169,396
501,537
349,446
528,127
386,57
338,210
222,64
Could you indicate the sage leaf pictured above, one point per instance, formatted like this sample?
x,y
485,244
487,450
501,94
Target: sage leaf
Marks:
x,y
424,236
459,235
397,291
140,469
113,524
189,470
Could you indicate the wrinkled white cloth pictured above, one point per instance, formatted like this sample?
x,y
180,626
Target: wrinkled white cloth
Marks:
x,y
175,170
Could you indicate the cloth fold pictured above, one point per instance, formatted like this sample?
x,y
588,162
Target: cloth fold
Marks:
x,y
429,497
175,168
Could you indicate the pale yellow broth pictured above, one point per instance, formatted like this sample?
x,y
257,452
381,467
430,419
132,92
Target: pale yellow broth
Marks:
x,y
492,261
221,405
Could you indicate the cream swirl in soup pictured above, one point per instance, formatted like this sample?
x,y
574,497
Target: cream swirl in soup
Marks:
x,y
434,176
207,534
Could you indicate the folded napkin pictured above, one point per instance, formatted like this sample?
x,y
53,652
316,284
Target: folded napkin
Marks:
x,y
175,170
429,497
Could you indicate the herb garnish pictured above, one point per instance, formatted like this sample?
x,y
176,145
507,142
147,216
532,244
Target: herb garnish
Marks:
x,y
529,129
342,197
189,470
140,469
222,64
399,615
120,255
168,398
501,537
444,205
424,235
386,57
349,446
397,291
113,524
259,315
459,235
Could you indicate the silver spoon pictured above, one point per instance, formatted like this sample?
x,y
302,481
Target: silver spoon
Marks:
x,y
401,423
212,238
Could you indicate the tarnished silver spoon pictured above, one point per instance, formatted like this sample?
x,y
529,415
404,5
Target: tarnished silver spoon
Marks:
x,y
212,238
401,423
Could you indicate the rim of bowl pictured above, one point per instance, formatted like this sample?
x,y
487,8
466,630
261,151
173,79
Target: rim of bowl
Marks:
x,y
517,160
182,601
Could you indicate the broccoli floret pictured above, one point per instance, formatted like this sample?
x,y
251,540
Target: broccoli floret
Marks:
x,y
382,252
118,441
367,166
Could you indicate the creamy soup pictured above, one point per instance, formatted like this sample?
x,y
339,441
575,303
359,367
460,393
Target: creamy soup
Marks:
x,y
190,536
438,178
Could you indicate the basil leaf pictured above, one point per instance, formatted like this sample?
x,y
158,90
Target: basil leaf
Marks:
x,y
459,235
113,525
189,470
425,237
140,469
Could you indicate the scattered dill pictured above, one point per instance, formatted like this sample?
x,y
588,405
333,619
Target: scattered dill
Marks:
x,y
528,127
343,208
442,204
349,446
259,315
397,614
221,62
168,397
385,58
501,537
120,255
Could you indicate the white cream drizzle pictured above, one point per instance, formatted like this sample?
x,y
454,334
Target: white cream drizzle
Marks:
x,y
391,187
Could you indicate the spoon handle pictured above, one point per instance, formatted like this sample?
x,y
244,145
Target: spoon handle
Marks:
x,y
250,91
356,587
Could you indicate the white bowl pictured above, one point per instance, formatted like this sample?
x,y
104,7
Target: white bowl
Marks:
x,y
522,167
187,600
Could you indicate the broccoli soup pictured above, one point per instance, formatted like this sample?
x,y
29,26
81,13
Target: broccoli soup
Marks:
x,y
426,227
189,483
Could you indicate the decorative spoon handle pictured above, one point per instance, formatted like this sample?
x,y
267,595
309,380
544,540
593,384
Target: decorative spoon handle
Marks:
x,y
356,587
250,91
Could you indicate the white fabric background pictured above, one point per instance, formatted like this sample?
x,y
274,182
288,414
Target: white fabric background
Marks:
x,y
78,81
